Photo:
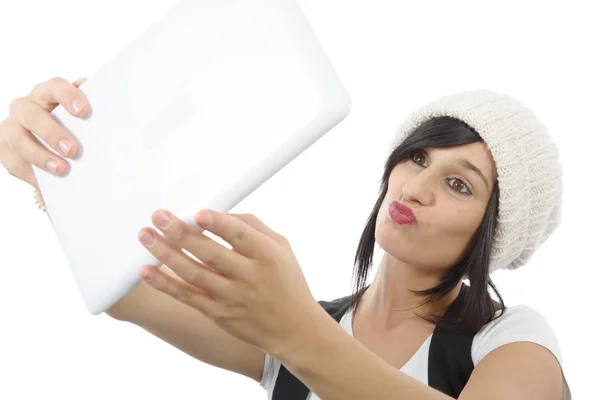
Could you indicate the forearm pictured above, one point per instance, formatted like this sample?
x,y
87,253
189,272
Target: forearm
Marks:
x,y
335,366
187,329
134,305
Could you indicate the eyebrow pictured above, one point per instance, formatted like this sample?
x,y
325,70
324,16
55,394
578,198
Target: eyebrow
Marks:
x,y
468,165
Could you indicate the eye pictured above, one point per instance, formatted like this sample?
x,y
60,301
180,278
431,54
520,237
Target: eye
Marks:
x,y
453,186
418,153
462,184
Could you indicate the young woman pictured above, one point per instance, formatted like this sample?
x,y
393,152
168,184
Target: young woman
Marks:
x,y
472,184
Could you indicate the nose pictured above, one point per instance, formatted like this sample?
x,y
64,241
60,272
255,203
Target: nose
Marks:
x,y
418,190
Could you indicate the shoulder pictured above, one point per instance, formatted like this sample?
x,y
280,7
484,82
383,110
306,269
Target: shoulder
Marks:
x,y
520,323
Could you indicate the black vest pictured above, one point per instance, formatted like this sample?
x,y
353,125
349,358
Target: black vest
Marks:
x,y
449,365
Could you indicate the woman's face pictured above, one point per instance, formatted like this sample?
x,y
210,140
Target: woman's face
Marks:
x,y
448,199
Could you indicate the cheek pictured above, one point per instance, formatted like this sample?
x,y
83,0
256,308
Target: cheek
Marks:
x,y
457,229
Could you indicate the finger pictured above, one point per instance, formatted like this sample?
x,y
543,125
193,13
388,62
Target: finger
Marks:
x,y
164,270
190,238
169,272
33,118
189,270
60,91
181,291
242,237
29,149
260,226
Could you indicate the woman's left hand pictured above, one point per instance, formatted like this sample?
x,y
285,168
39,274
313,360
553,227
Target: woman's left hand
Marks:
x,y
256,291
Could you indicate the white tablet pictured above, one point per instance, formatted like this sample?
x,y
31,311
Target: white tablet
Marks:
x,y
197,112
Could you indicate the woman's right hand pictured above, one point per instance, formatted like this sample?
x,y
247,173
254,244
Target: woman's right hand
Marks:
x,y
19,149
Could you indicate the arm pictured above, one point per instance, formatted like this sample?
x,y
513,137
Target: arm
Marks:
x,y
521,370
187,329
330,361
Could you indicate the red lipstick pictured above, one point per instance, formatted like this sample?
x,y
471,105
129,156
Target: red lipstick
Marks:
x,y
402,214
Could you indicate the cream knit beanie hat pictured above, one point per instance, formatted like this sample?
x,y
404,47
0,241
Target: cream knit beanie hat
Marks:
x,y
527,162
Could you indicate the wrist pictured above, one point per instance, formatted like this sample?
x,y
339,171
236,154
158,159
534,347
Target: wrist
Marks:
x,y
314,334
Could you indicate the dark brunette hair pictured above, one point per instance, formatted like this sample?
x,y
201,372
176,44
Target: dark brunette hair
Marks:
x,y
478,307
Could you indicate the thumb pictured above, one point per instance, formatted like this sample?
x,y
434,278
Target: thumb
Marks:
x,y
79,81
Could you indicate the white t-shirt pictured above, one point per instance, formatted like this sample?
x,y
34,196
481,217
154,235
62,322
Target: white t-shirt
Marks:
x,y
519,323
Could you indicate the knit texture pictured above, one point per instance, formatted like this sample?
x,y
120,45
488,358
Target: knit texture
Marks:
x,y
528,166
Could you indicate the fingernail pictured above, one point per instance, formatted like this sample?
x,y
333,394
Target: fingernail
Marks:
x,y
205,218
77,105
162,220
51,166
148,275
65,146
146,238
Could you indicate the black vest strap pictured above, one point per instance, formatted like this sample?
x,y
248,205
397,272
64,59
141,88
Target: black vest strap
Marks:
x,y
287,386
450,363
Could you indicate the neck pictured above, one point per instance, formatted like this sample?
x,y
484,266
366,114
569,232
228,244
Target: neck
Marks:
x,y
389,301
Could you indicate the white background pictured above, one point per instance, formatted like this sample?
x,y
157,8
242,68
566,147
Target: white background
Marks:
x,y
393,57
